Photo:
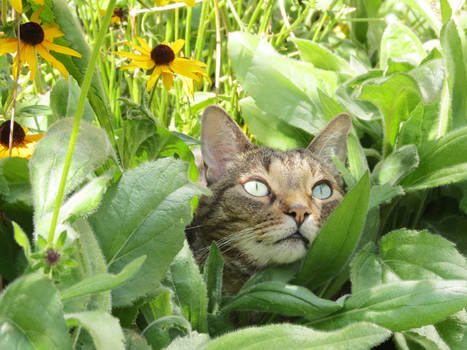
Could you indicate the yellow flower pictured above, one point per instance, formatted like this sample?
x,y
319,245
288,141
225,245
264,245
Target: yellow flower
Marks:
x,y
23,144
188,84
165,2
162,59
119,15
36,38
18,4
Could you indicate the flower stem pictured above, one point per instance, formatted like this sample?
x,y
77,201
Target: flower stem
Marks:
x,y
79,113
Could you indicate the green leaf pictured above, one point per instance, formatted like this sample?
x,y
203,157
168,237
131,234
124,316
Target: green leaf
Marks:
x,y
456,71
15,173
271,131
10,251
396,166
430,78
411,131
283,88
337,238
46,164
383,194
104,328
442,161
213,271
156,332
417,255
144,213
64,99
366,269
281,298
134,341
358,336
31,315
423,8
401,305
21,239
190,289
194,341
74,35
399,41
453,330
396,97
321,57
103,281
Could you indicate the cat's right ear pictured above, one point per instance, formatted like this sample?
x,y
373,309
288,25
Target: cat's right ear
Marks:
x,y
221,141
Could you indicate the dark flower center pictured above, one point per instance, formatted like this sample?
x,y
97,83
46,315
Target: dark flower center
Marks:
x,y
120,12
31,33
162,54
52,257
18,134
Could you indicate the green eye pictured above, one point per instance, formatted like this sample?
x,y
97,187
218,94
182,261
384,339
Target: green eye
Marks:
x,y
322,191
256,188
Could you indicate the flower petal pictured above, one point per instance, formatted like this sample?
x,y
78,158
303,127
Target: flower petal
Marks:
x,y
30,57
41,50
138,48
51,32
17,5
177,45
135,64
8,45
167,79
60,49
153,78
33,138
133,56
144,44
35,17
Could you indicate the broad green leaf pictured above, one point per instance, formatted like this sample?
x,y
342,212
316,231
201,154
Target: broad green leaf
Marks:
x,y
358,336
416,255
190,289
271,131
411,131
213,273
426,337
366,269
281,298
397,165
11,251
430,78
75,37
401,306
383,194
321,57
281,87
357,161
456,72
31,315
281,273
104,329
46,164
14,171
330,106
442,161
21,239
194,341
156,332
453,330
396,97
399,41
102,282
337,239
64,99
144,213
91,262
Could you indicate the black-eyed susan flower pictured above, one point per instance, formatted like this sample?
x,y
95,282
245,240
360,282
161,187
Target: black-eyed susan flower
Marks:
x,y
119,15
18,4
36,38
165,2
163,62
23,144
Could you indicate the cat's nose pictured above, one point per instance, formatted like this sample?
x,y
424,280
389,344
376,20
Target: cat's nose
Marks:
x,y
299,213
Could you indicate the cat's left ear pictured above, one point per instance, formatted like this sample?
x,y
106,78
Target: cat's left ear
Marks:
x,y
332,140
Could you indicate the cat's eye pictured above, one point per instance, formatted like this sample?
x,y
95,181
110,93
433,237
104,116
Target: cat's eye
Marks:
x,y
256,188
322,190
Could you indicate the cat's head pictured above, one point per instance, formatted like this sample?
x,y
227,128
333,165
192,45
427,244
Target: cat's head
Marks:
x,y
267,205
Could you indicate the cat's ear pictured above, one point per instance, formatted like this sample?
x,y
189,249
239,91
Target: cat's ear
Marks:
x,y
221,141
332,140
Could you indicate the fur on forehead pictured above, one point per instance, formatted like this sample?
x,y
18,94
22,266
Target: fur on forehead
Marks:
x,y
223,141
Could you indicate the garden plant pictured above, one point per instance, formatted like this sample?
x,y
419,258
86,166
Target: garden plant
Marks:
x,y
100,106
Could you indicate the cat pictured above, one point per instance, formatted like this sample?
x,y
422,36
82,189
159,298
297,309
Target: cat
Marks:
x,y
267,206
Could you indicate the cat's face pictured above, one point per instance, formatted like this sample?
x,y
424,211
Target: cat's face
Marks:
x,y
267,205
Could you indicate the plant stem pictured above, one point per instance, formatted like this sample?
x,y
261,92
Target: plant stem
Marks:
x,y
218,46
78,114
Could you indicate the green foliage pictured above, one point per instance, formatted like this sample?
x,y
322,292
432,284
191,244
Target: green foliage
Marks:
x,y
116,272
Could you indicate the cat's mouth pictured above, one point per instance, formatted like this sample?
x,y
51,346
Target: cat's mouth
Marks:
x,y
294,236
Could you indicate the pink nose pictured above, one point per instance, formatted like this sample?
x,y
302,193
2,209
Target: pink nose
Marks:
x,y
299,213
